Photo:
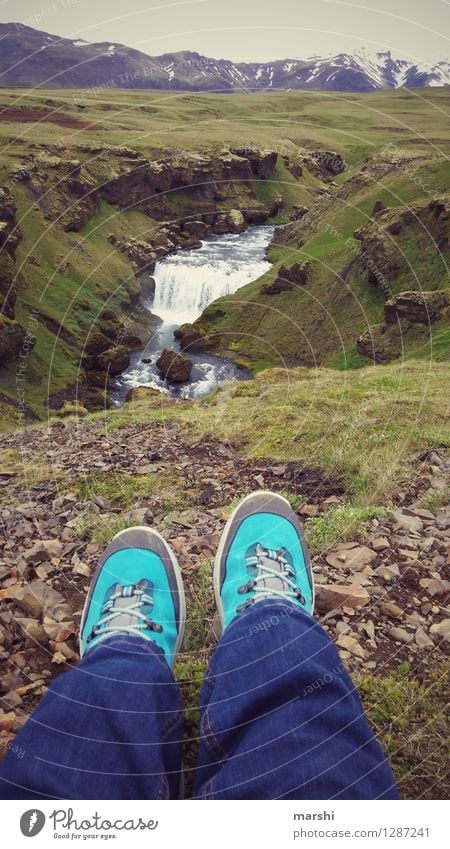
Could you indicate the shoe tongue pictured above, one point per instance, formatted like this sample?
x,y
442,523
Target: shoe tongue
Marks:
x,y
126,599
271,582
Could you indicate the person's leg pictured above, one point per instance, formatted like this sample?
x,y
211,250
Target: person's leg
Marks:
x,y
111,728
280,716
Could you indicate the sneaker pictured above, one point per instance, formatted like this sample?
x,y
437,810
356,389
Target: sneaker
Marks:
x,y
137,590
262,554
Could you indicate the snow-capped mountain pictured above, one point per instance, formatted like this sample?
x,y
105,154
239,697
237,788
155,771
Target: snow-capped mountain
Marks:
x,y
32,58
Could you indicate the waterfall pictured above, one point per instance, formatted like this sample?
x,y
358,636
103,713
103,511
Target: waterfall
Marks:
x,y
186,282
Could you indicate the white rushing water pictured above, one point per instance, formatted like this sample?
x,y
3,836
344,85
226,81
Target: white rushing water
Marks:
x,y
188,281
185,283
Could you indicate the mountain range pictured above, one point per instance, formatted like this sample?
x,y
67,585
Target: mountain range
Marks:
x,y
29,57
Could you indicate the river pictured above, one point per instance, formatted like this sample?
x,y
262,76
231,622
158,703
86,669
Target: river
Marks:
x,y
185,283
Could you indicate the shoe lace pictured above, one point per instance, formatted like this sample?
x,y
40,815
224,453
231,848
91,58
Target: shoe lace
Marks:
x,y
271,564
110,612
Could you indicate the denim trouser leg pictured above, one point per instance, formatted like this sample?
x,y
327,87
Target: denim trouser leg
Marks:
x,y
281,718
111,728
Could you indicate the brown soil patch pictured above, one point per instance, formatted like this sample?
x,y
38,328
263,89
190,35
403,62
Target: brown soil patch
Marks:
x,y
31,116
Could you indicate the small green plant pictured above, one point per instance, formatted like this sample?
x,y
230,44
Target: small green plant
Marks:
x,y
338,525
100,529
118,487
408,716
434,499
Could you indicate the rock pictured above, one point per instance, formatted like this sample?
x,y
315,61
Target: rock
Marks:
x,y
71,408
298,212
335,596
58,658
82,569
380,544
400,635
230,222
141,516
36,597
11,699
7,720
13,338
328,161
58,631
174,366
354,558
423,640
408,523
196,228
436,587
114,360
145,393
416,307
391,609
378,207
42,551
441,629
369,628
388,573
287,278
32,630
350,644
192,338
309,510
262,162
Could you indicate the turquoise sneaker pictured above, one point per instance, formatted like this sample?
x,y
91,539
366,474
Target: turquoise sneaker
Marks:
x,y
136,590
262,554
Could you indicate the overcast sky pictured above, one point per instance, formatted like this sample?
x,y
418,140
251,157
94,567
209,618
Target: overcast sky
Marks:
x,y
247,29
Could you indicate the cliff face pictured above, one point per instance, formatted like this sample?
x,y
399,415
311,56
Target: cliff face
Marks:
x,y
386,237
176,199
69,190
12,334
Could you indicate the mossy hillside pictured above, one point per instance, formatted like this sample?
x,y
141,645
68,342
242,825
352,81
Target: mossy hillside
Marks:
x,y
77,274
362,427
317,323
68,280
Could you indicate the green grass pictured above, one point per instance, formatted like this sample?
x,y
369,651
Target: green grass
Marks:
x,y
100,529
362,427
191,664
434,499
70,277
119,487
408,713
349,359
338,525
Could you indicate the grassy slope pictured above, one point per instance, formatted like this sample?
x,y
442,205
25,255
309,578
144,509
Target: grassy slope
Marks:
x,y
284,329
361,427
357,126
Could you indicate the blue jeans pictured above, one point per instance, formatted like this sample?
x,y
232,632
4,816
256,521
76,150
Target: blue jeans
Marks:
x,y
280,718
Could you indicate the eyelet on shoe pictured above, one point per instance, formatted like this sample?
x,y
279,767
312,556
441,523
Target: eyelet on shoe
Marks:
x,y
154,626
246,588
244,605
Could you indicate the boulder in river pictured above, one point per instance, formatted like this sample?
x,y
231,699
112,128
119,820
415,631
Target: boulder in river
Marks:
x,y
114,360
196,228
174,366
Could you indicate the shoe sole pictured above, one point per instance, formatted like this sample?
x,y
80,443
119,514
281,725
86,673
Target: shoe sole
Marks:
x,y
224,539
128,537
